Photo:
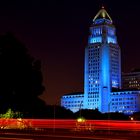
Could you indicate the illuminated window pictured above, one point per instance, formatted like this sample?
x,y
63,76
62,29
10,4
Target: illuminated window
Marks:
x,y
111,31
111,40
97,31
95,40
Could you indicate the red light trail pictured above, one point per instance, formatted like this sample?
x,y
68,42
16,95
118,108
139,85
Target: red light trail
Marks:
x,y
71,124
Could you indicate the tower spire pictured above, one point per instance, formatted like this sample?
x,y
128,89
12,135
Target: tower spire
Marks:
x,y
102,4
102,14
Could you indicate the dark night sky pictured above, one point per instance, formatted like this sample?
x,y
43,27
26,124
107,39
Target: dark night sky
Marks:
x,y
56,32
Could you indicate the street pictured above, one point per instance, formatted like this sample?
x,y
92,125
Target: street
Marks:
x,y
64,135
73,130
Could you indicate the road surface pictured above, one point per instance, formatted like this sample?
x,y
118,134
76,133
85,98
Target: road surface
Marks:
x,y
64,135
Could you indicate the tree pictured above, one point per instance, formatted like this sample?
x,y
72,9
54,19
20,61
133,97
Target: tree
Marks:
x,y
11,114
20,77
89,114
8,114
58,112
12,120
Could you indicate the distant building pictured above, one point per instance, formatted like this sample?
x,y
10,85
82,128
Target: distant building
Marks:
x,y
102,74
131,80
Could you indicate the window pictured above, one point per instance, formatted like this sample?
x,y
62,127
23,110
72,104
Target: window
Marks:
x,y
111,40
95,40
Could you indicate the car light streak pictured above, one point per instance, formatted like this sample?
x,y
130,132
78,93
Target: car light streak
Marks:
x,y
70,124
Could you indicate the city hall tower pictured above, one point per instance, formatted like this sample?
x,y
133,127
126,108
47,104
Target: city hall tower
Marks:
x,y
102,73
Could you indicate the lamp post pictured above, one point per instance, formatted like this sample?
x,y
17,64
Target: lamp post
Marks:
x,y
109,117
54,114
109,109
54,118
131,118
80,108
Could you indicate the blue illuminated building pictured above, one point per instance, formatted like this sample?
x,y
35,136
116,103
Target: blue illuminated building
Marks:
x,y
73,101
102,73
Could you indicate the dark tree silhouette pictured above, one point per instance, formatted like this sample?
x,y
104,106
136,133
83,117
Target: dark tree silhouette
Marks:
x,y
136,116
20,77
58,112
89,114
97,115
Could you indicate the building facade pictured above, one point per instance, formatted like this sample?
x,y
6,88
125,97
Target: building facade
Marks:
x,y
125,101
131,80
102,73
73,101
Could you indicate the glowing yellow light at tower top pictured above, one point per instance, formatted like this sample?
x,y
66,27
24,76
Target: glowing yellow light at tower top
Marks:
x,y
102,14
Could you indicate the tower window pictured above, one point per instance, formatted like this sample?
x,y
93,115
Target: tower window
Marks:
x,y
111,40
95,40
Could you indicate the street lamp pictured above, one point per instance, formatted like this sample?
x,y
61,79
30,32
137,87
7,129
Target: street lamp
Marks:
x,y
131,118
54,119
109,106
109,109
109,116
54,114
80,107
